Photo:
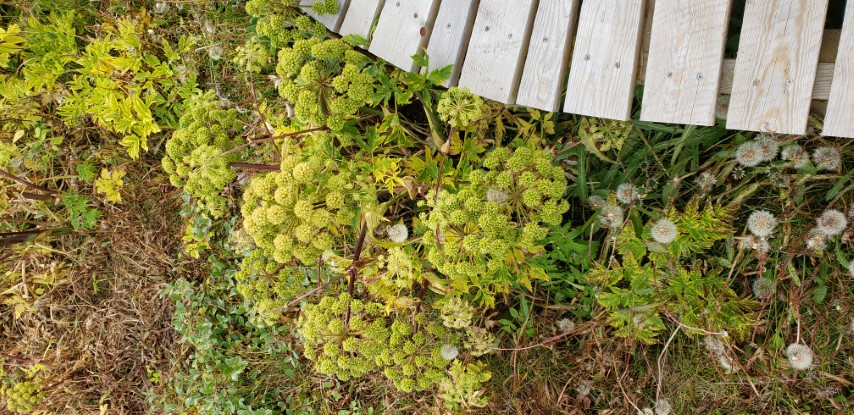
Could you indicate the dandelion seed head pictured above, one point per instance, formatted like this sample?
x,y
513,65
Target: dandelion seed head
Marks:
x,y
496,195
826,158
583,388
800,356
646,411
627,193
705,180
662,407
726,363
851,268
596,202
761,223
763,288
748,154
816,240
210,27
831,223
768,147
611,216
215,52
398,233
565,325
449,352
714,344
664,231
796,155
161,7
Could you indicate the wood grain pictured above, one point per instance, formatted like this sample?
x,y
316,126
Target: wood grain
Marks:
x,y
545,68
360,18
775,70
604,60
450,37
498,46
685,58
403,30
839,121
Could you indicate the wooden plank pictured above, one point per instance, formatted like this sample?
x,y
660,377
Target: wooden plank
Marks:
x,y
685,57
821,88
499,41
775,70
331,21
449,40
602,74
839,121
548,55
403,30
360,18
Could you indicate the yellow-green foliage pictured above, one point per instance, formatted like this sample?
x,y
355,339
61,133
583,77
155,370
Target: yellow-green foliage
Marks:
x,y
326,80
651,276
267,285
463,387
23,397
371,341
481,235
306,208
282,22
195,159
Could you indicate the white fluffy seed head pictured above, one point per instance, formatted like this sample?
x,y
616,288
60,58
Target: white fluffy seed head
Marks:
x,y
761,223
583,388
664,231
662,407
851,267
816,240
564,325
449,352
831,223
611,216
800,356
398,233
826,158
627,193
496,195
796,155
215,52
714,344
748,154
726,363
768,147
596,202
763,288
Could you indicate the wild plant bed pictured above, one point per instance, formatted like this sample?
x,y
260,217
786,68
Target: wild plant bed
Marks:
x,y
217,207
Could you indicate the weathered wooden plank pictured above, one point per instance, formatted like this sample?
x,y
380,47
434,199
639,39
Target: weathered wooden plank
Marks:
x,y
545,68
821,88
839,121
685,57
403,30
776,65
360,18
604,60
331,21
451,32
499,41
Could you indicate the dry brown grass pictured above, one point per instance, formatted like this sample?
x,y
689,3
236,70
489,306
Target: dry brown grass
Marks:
x,y
106,325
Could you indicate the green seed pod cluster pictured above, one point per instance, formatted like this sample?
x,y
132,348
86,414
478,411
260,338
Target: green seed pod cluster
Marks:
x,y
24,397
282,21
326,80
411,359
306,208
195,159
268,286
481,235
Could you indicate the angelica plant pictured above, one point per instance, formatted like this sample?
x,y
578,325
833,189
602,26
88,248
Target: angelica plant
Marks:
x,y
326,80
195,155
480,242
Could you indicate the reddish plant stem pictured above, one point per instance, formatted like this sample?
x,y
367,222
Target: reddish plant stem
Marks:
x,y
17,179
360,243
272,138
257,167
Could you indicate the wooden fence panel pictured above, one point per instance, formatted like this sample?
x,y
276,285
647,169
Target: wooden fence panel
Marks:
x,y
497,49
548,55
450,37
604,60
776,66
360,18
403,30
685,58
839,121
